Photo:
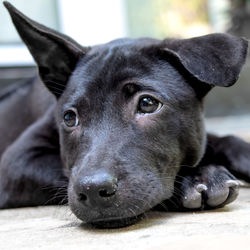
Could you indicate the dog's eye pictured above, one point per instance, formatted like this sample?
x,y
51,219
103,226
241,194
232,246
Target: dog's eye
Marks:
x,y
148,104
70,119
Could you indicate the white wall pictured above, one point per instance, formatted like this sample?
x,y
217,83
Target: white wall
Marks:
x,y
89,22
93,21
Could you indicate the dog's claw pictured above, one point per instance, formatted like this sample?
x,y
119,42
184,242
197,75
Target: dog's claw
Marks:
x,y
201,187
192,200
232,183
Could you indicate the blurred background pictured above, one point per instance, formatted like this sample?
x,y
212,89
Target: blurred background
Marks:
x,y
99,21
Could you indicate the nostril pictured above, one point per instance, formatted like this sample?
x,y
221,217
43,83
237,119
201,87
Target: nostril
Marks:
x,y
105,193
82,197
96,190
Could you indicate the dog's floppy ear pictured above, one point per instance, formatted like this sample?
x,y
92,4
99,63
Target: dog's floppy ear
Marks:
x,y
55,54
214,59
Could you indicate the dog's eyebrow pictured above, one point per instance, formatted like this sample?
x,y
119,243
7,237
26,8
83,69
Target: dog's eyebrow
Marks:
x,y
138,85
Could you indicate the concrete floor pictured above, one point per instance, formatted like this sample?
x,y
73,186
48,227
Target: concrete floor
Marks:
x,y
56,228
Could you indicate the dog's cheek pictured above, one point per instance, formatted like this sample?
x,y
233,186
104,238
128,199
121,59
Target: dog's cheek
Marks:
x,y
144,187
193,140
146,121
70,146
168,180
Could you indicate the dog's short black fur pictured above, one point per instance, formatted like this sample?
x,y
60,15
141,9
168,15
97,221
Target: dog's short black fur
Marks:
x,y
123,130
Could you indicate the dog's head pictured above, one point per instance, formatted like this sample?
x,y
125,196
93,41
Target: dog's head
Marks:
x,y
129,113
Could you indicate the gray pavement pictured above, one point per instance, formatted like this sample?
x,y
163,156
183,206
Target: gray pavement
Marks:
x,y
56,228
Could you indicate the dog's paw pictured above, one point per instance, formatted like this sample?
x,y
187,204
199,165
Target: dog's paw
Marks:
x,y
208,187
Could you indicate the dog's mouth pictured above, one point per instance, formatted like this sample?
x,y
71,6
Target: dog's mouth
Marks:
x,y
116,222
124,206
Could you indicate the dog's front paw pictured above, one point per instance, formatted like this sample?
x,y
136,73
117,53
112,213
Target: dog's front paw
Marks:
x,y
208,187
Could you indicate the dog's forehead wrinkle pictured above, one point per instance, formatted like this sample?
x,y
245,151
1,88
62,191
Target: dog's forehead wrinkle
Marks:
x,y
110,66
113,52
101,88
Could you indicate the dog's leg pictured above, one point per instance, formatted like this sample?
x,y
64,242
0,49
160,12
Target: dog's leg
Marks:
x,y
231,152
30,169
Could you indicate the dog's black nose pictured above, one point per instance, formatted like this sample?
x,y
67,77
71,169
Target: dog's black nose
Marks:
x,y
96,190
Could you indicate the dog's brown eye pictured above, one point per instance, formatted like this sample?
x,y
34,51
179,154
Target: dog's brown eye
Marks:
x,y
148,104
70,119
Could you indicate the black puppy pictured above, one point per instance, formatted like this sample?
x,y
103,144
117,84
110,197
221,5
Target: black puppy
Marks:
x,y
124,129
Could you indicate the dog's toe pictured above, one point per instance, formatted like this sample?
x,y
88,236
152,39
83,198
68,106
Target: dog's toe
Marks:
x,y
234,187
216,196
223,188
192,200
210,187
192,197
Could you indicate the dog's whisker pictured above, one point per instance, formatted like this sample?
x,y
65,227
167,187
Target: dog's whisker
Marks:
x,y
59,84
164,206
52,88
56,198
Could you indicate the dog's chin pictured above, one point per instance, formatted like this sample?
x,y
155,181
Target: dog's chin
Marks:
x,y
111,219
115,222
